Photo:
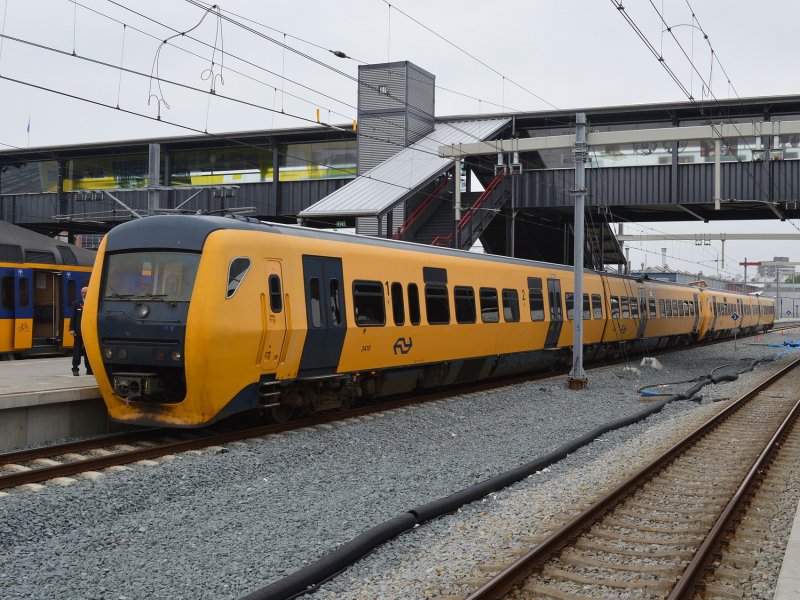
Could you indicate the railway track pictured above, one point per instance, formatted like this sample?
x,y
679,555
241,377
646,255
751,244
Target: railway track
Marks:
x,y
58,463
666,531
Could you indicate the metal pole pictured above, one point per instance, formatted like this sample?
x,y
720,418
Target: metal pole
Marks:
x,y
457,197
717,173
577,376
153,177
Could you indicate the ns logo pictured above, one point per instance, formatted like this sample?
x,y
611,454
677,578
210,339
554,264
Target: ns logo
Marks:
x,y
402,346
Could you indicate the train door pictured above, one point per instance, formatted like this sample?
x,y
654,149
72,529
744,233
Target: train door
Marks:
x,y
23,309
714,313
642,311
325,315
556,314
273,317
46,308
696,314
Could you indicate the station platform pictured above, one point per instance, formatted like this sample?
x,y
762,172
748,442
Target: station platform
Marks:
x,y
788,587
41,401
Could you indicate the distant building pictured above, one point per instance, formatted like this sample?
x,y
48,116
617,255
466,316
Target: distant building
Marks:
x,y
769,272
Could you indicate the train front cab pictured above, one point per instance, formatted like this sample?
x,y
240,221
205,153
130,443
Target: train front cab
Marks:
x,y
35,307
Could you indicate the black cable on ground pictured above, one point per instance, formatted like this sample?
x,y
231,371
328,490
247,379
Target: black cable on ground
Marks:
x,y
310,577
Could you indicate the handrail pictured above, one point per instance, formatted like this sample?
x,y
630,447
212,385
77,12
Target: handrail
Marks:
x,y
442,240
479,202
420,209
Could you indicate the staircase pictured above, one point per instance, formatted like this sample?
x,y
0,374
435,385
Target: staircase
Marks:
x,y
426,209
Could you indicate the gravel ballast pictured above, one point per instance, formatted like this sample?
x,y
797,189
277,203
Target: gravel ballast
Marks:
x,y
223,523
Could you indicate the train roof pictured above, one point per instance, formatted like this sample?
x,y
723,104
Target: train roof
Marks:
x,y
20,245
190,231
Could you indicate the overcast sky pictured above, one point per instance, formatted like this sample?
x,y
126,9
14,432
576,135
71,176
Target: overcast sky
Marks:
x,y
565,54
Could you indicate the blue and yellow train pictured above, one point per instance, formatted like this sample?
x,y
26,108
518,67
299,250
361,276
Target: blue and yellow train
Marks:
x,y
40,279
190,318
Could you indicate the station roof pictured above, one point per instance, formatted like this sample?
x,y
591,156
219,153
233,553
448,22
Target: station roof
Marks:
x,y
378,189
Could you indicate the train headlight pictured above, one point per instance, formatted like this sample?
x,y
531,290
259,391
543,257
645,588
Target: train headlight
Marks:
x,y
176,356
108,353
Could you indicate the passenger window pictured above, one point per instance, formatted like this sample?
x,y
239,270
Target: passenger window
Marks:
x,y
275,295
24,292
368,303
587,309
465,304
336,304
413,303
70,291
662,308
597,306
437,304
490,312
237,269
614,307
7,291
314,297
626,313
634,308
510,306
536,298
674,308
398,311
569,300
669,308
651,303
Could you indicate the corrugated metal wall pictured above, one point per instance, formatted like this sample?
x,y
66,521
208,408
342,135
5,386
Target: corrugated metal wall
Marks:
x,y
395,108
652,185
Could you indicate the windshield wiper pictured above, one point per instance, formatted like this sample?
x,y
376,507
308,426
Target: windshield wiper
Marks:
x,y
118,296
149,296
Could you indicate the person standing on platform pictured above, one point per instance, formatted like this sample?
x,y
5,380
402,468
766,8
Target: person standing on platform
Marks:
x,y
78,349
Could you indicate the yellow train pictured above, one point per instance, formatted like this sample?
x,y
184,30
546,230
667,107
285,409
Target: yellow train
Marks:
x,y
40,279
193,318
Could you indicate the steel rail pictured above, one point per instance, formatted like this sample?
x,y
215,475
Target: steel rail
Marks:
x,y
694,572
535,559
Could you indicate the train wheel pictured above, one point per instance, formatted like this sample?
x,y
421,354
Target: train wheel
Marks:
x,y
280,414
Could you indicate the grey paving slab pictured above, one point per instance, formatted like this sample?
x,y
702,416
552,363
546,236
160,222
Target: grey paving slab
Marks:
x,y
40,381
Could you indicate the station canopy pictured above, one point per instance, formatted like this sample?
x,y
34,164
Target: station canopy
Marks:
x,y
377,190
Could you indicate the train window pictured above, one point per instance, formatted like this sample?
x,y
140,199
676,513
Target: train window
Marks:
x,y
569,300
634,308
536,298
465,304
313,294
510,306
626,313
490,312
662,308
336,303
651,305
70,292
614,307
368,303
597,306
275,295
237,269
437,304
7,291
398,311
674,308
680,308
413,303
691,309
24,292
587,309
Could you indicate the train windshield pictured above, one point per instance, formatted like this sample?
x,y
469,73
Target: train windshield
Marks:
x,y
167,276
